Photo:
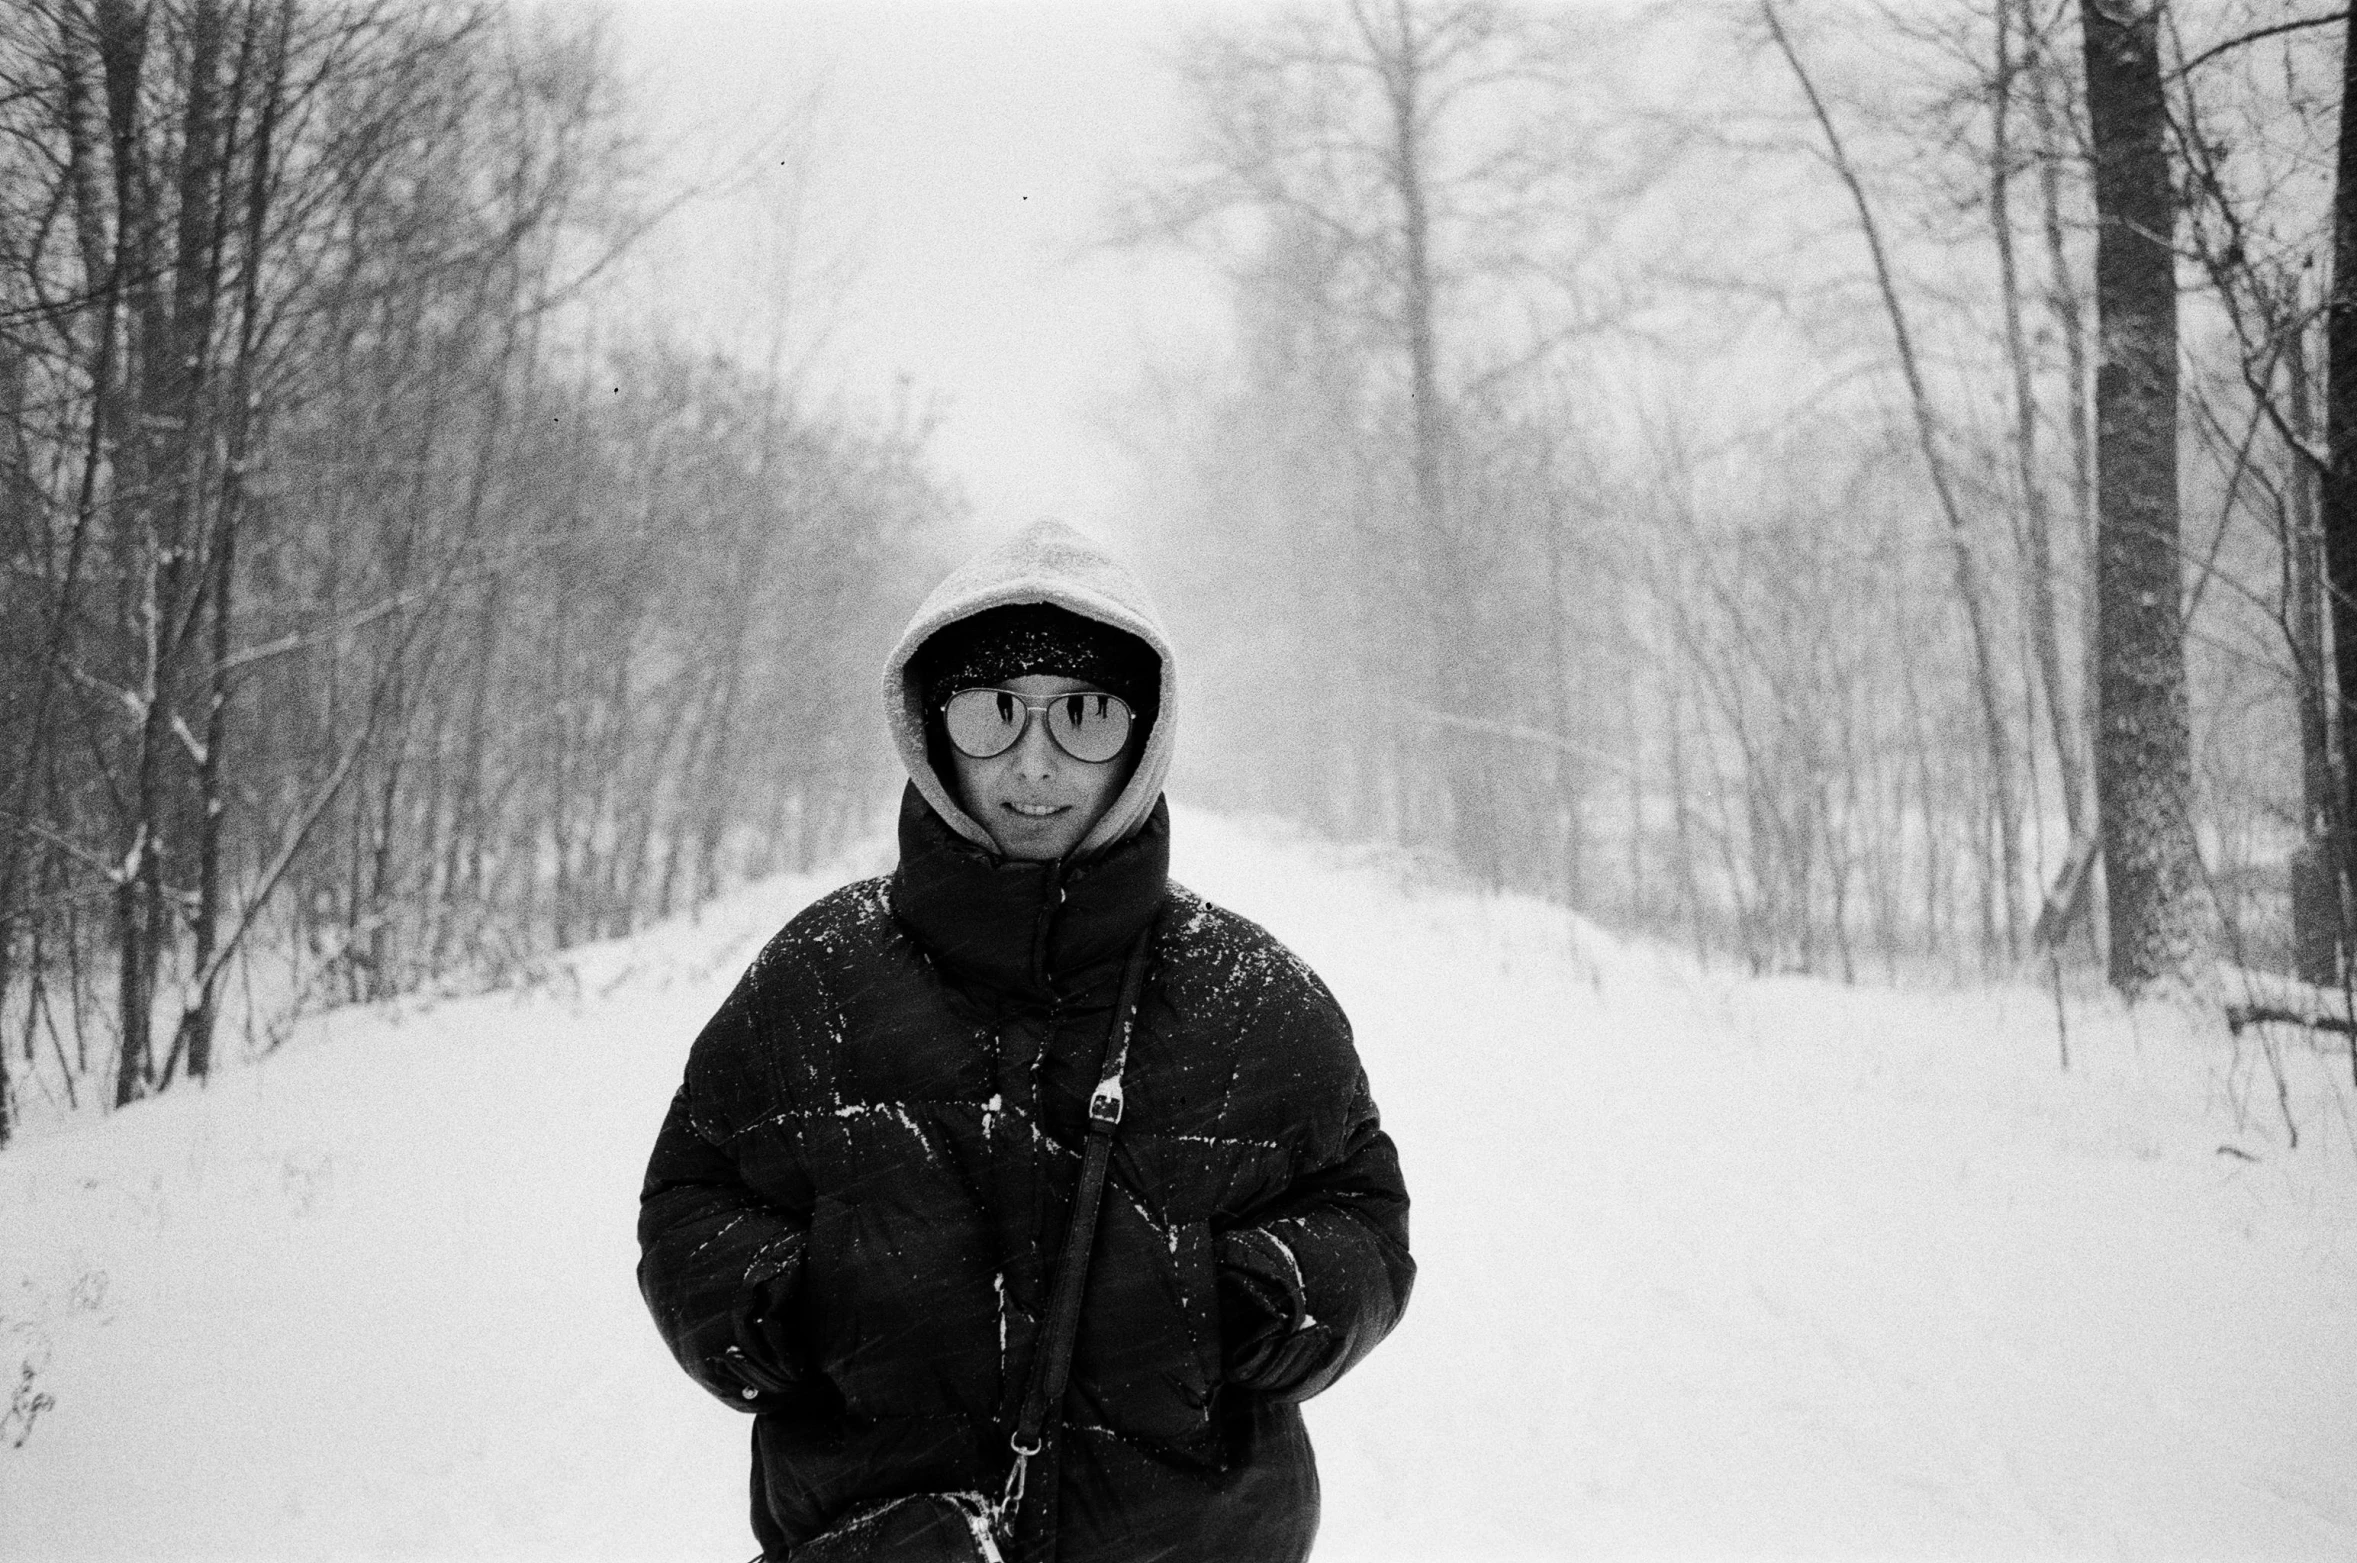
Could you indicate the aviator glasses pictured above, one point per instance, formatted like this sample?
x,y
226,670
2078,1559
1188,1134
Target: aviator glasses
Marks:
x,y
1088,724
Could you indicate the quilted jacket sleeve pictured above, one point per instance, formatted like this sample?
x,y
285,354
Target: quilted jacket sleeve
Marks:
x,y
718,1264
1331,1256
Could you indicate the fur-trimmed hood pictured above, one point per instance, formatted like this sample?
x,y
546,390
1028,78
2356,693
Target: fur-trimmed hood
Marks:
x,y
1045,562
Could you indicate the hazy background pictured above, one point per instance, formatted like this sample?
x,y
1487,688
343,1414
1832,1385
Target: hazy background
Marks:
x,y
954,174
467,460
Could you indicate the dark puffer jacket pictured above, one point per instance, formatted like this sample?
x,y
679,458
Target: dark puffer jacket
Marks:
x,y
852,1212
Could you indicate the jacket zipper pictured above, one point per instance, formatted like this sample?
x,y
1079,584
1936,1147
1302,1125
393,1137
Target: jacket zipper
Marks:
x,y
1050,898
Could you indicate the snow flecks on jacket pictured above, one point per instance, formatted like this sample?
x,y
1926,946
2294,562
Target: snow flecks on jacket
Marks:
x,y
773,1258
1166,1229
1284,1250
1224,1140
726,1228
896,1111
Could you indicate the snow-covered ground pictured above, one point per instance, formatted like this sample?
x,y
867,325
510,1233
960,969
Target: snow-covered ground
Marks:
x,y
1711,1267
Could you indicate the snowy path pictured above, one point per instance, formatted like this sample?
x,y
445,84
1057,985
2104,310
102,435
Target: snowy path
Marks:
x,y
1710,1268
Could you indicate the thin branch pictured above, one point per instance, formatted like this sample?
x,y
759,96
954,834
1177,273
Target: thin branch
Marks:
x,y
2254,36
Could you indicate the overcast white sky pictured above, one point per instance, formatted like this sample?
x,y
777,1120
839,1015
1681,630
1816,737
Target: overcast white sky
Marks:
x,y
965,159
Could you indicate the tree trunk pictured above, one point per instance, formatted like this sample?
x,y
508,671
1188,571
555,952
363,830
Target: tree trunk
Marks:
x,y
1399,57
1569,803
122,41
2338,516
2143,755
2038,562
195,1035
2316,903
2063,301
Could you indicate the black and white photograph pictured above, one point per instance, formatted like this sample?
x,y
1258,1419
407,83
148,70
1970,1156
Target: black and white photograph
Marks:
x,y
1178,781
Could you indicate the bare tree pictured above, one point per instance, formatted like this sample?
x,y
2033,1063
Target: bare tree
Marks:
x,y
1394,188
1971,593
332,590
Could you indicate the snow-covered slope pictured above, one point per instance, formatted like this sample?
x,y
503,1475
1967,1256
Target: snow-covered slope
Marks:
x,y
1711,1268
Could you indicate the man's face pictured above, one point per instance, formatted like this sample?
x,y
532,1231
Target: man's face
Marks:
x,y
1036,801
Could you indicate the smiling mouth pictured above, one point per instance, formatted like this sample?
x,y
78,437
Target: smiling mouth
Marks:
x,y
1039,810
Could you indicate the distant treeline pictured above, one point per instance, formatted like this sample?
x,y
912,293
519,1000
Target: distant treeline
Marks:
x,y
355,610
1661,463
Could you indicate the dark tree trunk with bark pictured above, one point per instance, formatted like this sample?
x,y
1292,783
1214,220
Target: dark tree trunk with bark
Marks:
x,y
2316,874
2339,508
2143,752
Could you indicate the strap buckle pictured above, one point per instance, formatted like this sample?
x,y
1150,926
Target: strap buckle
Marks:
x,y
1105,1106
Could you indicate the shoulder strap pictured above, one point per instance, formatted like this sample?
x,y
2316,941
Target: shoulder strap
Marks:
x,y
1051,1362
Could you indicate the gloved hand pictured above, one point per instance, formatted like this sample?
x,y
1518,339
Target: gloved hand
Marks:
x,y
1255,1312
765,1356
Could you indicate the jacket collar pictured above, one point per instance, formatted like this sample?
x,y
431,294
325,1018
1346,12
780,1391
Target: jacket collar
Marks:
x,y
1018,926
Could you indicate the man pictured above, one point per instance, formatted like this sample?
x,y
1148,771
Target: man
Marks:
x,y
854,1212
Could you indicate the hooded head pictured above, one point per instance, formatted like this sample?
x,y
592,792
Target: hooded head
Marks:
x,y
1045,604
